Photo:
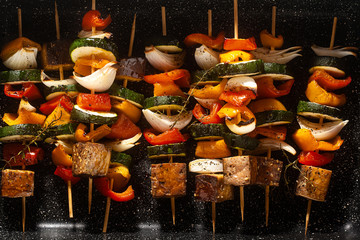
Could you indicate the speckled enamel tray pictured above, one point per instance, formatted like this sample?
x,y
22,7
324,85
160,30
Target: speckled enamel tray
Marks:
x,y
301,23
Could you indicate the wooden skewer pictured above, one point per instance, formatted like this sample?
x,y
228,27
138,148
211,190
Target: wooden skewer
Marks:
x,y
213,215
23,205
131,44
242,201
267,193
321,120
61,72
236,19
273,23
209,22
19,22
163,20
107,211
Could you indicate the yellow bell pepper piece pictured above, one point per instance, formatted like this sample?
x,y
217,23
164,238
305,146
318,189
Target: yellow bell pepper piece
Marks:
x,y
167,89
332,145
212,149
121,176
58,117
60,157
315,93
235,56
24,117
307,142
209,91
268,40
127,108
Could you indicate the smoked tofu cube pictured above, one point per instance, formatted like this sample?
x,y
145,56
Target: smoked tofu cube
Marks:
x,y
313,183
90,159
17,183
240,170
268,171
211,188
168,180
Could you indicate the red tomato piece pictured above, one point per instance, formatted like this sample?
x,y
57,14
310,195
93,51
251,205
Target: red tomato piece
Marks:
x,y
94,102
92,19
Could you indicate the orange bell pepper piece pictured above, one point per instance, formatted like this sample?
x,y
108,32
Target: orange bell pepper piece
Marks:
x,y
307,142
24,117
60,157
96,135
315,93
327,81
332,145
266,88
247,44
236,55
15,45
167,89
209,91
83,65
268,40
199,38
180,76
212,149
266,104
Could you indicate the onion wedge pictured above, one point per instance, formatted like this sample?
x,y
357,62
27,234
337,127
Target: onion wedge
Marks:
x,y
123,145
325,131
273,145
162,122
337,51
98,34
49,82
101,80
277,56
244,128
205,57
25,58
237,84
208,102
164,61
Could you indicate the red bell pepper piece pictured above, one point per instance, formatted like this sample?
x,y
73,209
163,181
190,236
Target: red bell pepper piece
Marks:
x,y
94,102
64,100
92,19
315,159
123,128
240,44
170,136
274,132
16,154
241,98
328,82
66,174
28,90
266,88
200,114
102,185
199,38
181,77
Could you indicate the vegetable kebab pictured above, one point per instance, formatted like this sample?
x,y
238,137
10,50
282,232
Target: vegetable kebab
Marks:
x,y
313,182
24,128
166,113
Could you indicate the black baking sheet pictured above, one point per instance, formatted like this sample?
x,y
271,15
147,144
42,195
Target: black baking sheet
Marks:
x,y
301,23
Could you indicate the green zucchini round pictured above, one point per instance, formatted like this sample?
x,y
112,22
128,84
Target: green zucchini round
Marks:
x,y
167,150
55,91
212,131
20,133
166,43
20,76
334,66
315,110
276,71
164,103
242,142
200,77
118,158
86,116
227,70
119,92
273,117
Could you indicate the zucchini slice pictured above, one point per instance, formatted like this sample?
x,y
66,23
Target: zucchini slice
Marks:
x,y
167,44
160,103
242,142
211,131
167,150
315,110
273,117
20,133
119,92
86,116
63,132
276,71
100,48
54,91
200,78
118,158
228,70
20,76
334,66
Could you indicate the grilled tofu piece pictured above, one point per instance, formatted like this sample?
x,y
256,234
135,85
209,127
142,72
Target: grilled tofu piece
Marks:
x,y
56,53
211,188
313,183
268,171
90,159
240,170
132,69
17,183
168,180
